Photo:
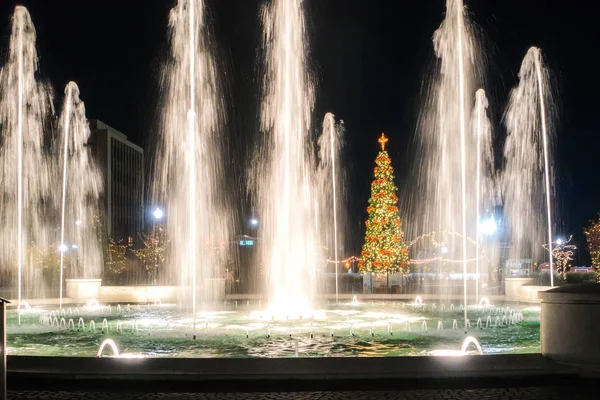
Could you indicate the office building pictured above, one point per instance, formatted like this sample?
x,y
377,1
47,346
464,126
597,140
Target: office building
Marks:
x,y
122,165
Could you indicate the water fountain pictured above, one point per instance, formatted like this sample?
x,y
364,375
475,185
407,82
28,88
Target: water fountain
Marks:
x,y
285,177
291,179
330,144
446,181
81,188
485,165
463,350
529,122
187,173
26,173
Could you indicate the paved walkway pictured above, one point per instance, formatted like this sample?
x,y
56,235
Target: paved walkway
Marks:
x,y
525,393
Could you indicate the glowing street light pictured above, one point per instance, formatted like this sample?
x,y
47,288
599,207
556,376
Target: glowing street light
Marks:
x,y
158,213
62,248
78,222
559,241
253,222
488,226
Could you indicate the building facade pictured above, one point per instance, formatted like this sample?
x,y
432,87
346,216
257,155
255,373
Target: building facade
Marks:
x,y
122,166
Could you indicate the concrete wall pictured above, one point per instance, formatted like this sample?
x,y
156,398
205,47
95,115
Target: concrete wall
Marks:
x,y
131,294
512,286
83,289
529,294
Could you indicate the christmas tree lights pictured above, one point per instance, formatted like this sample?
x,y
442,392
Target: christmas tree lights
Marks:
x,y
384,249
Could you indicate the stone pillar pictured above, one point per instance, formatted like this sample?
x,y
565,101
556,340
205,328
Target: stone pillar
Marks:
x,y
570,325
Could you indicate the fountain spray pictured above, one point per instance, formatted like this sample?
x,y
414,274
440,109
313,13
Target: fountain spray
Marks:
x,y
463,152
333,184
538,70
25,175
68,103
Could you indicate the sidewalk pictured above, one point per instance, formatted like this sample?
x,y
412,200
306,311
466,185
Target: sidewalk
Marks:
x,y
567,392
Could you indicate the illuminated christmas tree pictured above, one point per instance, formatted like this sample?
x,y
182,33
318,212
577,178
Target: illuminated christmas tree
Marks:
x,y
384,249
592,234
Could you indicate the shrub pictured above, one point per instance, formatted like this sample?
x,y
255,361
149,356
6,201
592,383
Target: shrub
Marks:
x,y
581,277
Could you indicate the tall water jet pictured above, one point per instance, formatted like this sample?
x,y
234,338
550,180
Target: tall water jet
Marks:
x,y
330,144
482,130
81,188
188,164
444,178
25,178
529,118
285,178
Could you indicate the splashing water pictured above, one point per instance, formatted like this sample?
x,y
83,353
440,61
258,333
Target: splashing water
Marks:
x,y
110,343
25,178
445,180
471,340
463,350
81,187
528,196
285,178
330,144
484,181
187,172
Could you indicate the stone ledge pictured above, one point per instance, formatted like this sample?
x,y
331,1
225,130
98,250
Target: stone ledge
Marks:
x,y
260,369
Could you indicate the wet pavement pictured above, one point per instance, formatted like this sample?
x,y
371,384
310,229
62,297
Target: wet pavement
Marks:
x,y
589,391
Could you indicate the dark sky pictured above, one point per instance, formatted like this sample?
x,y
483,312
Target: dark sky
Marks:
x,y
370,58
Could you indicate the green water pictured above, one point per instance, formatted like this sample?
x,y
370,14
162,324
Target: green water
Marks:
x,y
358,331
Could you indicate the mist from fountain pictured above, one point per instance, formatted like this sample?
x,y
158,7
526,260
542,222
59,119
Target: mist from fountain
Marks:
x,y
284,177
330,146
187,174
485,180
527,176
446,182
81,188
26,175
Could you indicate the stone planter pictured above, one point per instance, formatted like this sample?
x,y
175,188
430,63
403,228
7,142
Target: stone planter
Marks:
x,y
83,289
570,324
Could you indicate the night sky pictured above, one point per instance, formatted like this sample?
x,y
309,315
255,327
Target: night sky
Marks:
x,y
369,59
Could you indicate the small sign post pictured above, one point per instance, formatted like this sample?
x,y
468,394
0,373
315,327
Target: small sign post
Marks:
x,y
3,303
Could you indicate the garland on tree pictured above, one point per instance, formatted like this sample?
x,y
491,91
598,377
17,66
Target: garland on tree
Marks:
x,y
384,249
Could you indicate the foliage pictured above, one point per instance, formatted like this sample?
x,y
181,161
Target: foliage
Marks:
x,y
580,277
384,249
562,253
152,255
592,235
117,255
47,257
543,279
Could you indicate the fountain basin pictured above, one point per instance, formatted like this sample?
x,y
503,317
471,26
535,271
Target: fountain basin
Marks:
x,y
137,294
569,325
83,289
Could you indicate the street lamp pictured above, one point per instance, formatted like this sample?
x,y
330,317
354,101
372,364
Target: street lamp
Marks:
x,y
488,226
62,248
253,221
559,241
158,213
